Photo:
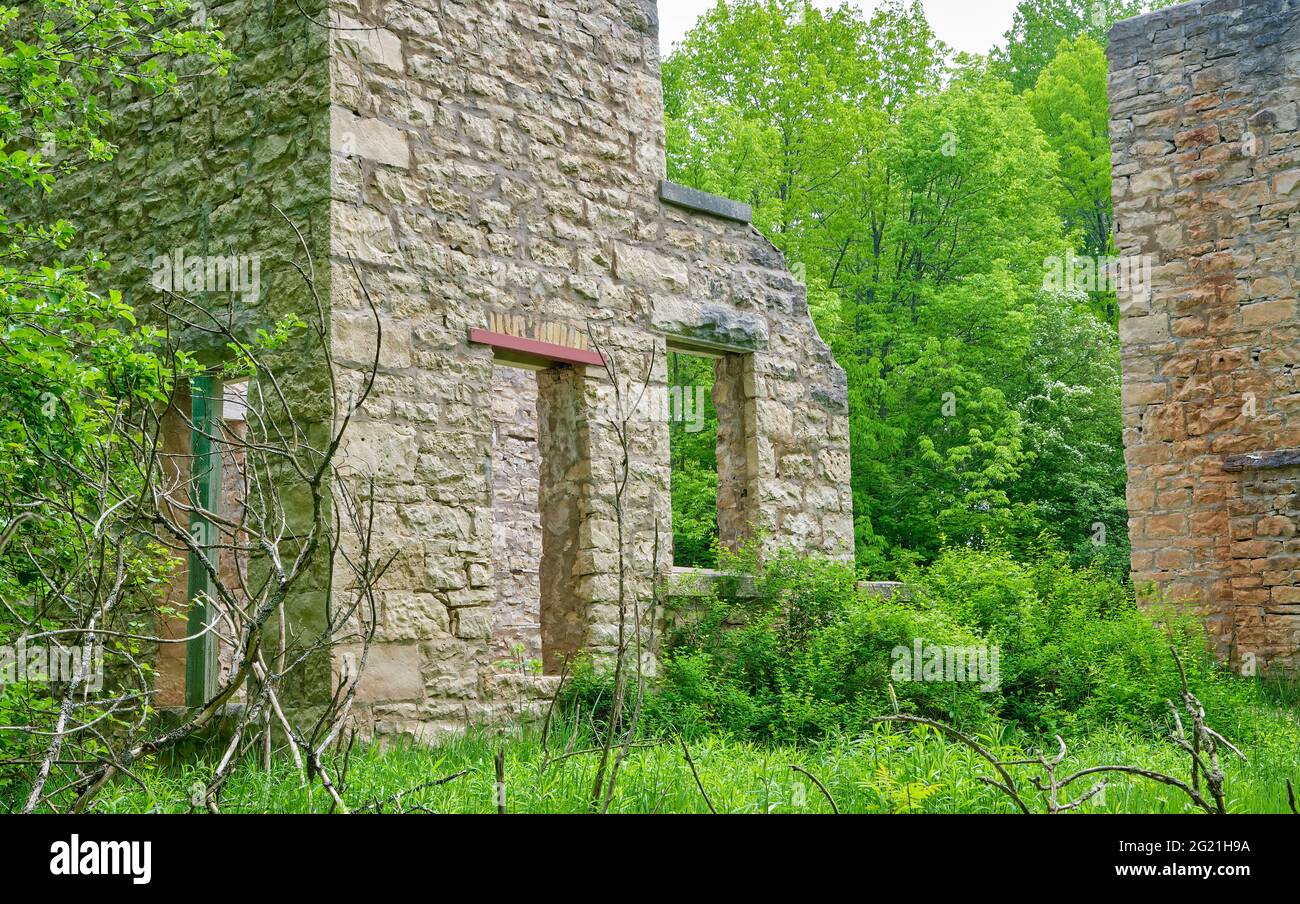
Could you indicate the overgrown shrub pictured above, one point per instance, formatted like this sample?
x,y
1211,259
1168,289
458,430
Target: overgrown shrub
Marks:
x,y
800,653
1076,650
794,650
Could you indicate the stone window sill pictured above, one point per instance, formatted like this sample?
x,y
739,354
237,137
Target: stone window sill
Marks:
x,y
1262,461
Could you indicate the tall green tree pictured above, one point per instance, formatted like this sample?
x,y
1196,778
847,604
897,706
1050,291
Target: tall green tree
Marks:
x,y
938,303
1070,104
1039,27
1068,396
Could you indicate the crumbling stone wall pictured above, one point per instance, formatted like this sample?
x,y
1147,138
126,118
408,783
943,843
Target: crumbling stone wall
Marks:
x,y
1207,183
505,157
474,160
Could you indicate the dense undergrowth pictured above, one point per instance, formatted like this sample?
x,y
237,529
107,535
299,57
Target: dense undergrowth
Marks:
x,y
796,651
790,667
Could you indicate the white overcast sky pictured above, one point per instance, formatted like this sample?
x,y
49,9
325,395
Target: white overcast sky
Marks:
x,y
970,25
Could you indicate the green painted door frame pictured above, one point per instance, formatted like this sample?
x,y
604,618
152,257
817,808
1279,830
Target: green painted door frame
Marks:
x,y
205,493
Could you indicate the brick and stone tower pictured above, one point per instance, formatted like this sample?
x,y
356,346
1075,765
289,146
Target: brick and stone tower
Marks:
x,y
494,169
1207,184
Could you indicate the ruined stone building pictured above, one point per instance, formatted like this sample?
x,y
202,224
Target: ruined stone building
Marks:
x,y
1207,184
495,169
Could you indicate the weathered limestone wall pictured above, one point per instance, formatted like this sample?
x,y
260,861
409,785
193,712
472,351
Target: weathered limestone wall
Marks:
x,y
202,171
472,159
504,156
1207,182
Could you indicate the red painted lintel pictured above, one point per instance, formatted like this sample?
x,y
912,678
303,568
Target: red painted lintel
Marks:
x,y
532,351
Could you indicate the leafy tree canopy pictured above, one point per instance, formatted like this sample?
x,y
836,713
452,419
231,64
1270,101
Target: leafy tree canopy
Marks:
x,y
1040,26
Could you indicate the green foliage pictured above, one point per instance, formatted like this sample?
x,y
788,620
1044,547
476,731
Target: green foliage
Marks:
x,y
880,771
772,101
1076,651
695,516
1069,103
1039,27
71,360
70,356
1068,397
793,650
798,652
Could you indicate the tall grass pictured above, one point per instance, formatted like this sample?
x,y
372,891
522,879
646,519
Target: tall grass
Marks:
x,y
881,771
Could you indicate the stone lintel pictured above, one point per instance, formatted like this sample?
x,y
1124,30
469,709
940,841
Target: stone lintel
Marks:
x,y
533,352
709,329
704,348
1262,461
703,202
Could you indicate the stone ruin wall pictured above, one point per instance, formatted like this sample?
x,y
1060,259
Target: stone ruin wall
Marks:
x,y
505,157
1207,183
485,156
475,158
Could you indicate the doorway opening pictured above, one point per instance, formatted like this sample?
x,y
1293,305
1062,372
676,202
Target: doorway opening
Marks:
x,y
203,459
540,454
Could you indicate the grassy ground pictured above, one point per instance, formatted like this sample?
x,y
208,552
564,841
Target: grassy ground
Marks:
x,y
885,771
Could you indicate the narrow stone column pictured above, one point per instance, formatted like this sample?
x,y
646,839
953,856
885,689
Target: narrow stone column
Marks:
x,y
1204,101
738,510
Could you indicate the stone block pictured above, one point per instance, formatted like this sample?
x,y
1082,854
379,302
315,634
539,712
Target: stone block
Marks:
x,y
373,139
703,202
392,673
